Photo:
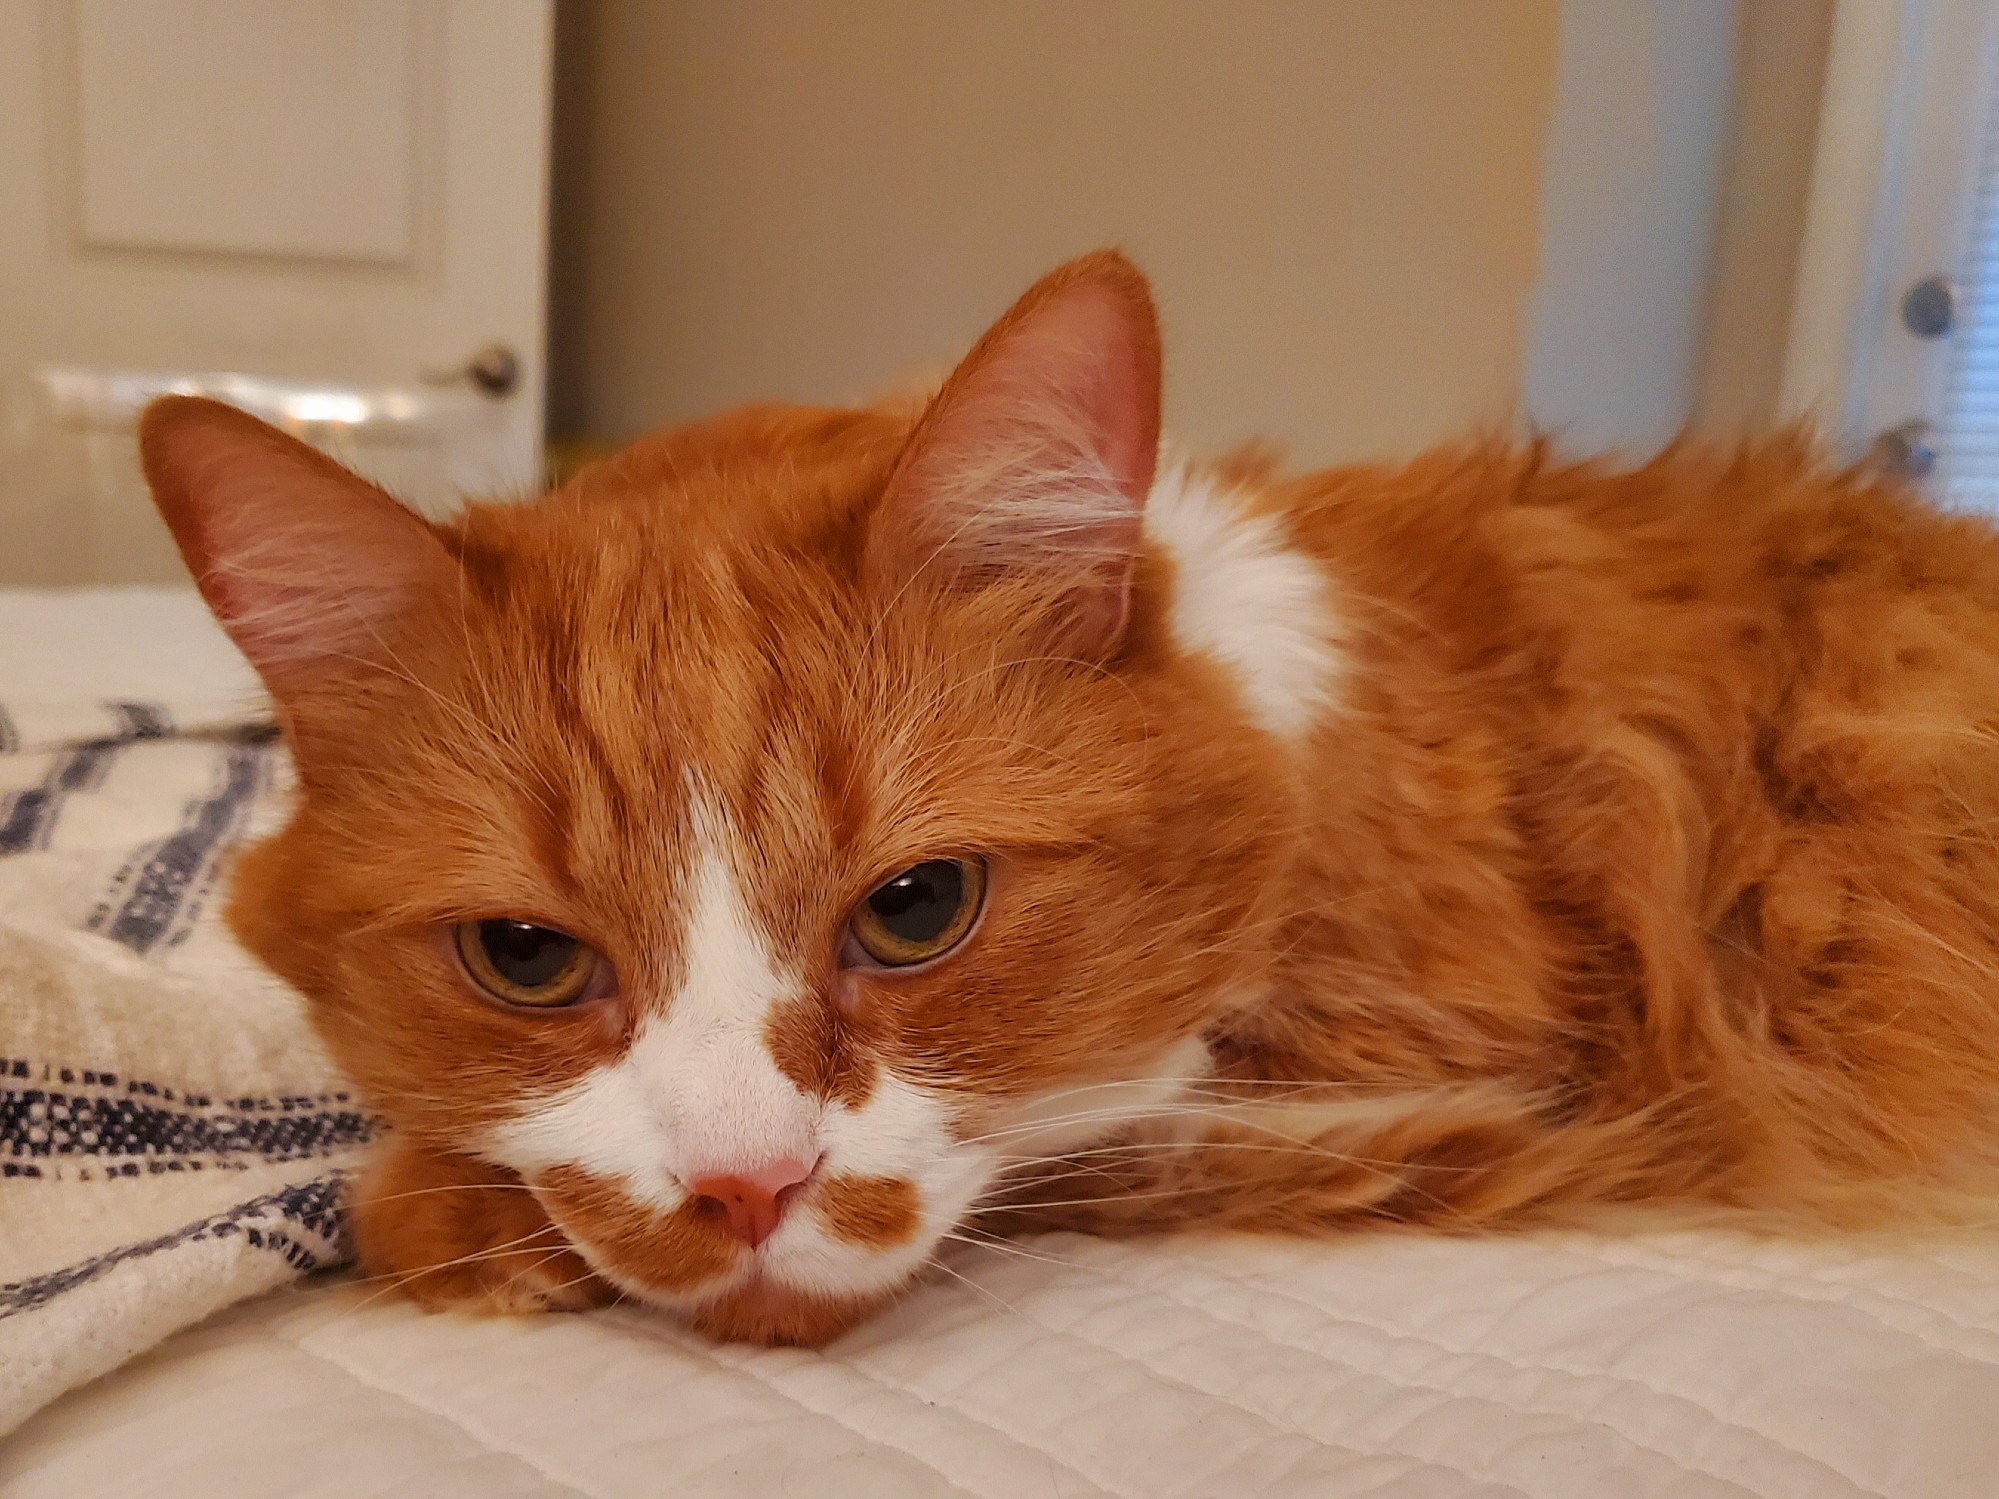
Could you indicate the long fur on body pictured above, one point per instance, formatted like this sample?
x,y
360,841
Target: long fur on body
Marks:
x,y
1651,862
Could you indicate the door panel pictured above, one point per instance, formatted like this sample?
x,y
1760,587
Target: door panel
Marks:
x,y
192,127
337,196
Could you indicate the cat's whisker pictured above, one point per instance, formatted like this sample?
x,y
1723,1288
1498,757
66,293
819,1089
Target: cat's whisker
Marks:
x,y
997,1300
386,1287
1197,1147
1000,1176
1015,1251
581,1280
523,1245
1214,1085
390,1283
1189,1190
483,1186
529,1269
1209,1101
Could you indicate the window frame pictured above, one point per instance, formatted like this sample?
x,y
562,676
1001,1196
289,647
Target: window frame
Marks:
x,y
1907,89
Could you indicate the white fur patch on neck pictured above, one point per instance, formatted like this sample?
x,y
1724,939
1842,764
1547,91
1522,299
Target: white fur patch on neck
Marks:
x,y
1260,608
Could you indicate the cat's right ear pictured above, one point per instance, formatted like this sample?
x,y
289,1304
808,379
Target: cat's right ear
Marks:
x,y
1036,455
307,567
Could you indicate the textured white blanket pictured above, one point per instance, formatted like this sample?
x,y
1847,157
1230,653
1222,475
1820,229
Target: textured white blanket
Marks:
x,y
170,1133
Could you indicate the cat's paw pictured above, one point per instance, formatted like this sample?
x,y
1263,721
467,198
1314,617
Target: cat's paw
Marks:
x,y
454,1233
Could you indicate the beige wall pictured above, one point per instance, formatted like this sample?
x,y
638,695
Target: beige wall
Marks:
x,y
1337,199
1631,179
1779,76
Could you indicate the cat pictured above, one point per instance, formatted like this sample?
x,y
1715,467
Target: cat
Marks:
x,y
811,834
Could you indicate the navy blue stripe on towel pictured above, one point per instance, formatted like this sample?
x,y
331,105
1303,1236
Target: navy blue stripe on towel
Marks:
x,y
38,1123
141,721
301,1223
152,892
26,817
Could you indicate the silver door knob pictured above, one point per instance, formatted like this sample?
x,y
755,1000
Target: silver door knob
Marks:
x,y
1929,308
1908,449
495,370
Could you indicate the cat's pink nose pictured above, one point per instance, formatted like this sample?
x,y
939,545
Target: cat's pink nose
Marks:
x,y
749,1203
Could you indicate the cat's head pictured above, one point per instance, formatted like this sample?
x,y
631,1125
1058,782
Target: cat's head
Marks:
x,y
769,840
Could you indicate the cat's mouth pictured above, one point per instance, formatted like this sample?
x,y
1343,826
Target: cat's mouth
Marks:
x,y
843,1247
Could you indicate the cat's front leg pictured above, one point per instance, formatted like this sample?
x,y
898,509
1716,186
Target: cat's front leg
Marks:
x,y
454,1232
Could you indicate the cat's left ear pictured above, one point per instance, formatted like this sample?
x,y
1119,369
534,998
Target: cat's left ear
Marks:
x,y
310,569
1037,454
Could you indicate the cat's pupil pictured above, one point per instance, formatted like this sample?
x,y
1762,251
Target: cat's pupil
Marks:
x,y
527,955
918,904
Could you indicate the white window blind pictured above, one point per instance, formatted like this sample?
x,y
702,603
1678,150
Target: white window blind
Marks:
x,y
1968,442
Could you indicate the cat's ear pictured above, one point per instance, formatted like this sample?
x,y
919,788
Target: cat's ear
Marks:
x,y
1037,453
307,566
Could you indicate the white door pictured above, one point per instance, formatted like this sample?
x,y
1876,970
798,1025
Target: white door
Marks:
x,y
330,211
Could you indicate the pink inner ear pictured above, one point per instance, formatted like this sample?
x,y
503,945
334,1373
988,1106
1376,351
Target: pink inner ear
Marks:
x,y
303,563
1121,394
1064,399
1039,451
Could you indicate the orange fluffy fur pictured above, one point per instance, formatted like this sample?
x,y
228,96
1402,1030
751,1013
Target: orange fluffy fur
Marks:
x,y
1658,837
1645,856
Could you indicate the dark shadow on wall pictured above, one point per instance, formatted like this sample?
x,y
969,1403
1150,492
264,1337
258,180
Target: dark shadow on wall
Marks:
x,y
578,33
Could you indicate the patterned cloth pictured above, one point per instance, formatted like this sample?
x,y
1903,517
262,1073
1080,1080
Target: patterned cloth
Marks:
x,y
172,1137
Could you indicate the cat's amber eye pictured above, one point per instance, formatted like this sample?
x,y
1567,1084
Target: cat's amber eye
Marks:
x,y
921,913
519,963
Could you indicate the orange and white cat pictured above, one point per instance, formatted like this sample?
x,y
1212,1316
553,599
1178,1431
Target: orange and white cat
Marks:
x,y
811,831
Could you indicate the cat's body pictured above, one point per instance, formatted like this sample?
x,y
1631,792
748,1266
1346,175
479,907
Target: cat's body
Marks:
x,y
1655,828
1478,841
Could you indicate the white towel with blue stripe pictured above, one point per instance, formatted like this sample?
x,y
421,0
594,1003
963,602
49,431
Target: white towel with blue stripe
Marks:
x,y
172,1136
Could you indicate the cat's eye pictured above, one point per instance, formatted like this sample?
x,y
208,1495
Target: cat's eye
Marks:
x,y
921,913
519,963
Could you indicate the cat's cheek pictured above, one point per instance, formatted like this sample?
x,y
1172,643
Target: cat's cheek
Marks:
x,y
453,1232
656,1254
862,1237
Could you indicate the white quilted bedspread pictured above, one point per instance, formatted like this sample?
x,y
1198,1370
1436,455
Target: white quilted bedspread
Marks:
x,y
1686,1366
1569,1367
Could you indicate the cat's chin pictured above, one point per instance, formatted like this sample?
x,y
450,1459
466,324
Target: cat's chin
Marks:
x,y
762,1310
